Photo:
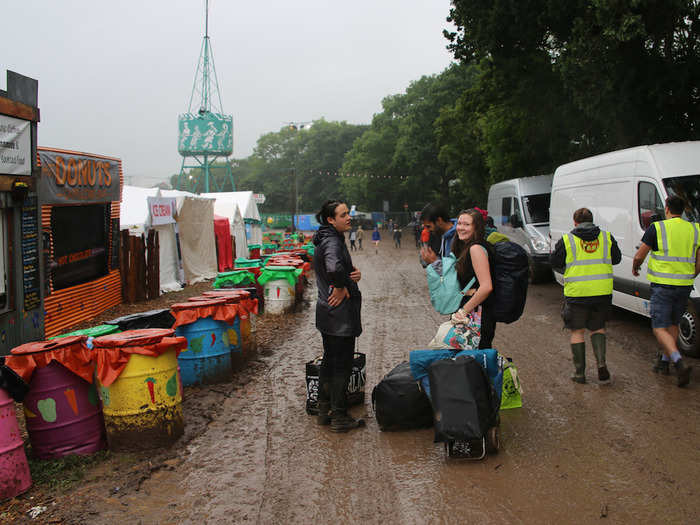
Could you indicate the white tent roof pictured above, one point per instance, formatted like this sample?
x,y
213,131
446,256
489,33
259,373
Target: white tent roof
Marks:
x,y
243,199
133,214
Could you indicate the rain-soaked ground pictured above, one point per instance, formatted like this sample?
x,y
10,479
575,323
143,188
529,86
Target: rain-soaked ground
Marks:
x,y
623,453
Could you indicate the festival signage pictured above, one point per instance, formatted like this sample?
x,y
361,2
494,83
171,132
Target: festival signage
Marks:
x,y
70,178
205,134
162,210
15,146
30,254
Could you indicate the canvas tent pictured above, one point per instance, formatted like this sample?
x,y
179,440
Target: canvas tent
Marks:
x,y
226,205
195,220
249,211
135,217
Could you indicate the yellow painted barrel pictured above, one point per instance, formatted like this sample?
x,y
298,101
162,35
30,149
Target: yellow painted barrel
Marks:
x,y
143,406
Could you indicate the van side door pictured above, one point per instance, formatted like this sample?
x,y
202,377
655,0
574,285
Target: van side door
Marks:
x,y
649,208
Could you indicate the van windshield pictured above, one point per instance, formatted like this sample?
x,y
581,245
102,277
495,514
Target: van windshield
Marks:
x,y
536,208
688,188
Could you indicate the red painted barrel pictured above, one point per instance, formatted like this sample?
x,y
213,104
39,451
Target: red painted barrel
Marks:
x,y
14,469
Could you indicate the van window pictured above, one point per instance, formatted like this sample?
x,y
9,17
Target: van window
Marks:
x,y
505,210
650,204
688,188
536,208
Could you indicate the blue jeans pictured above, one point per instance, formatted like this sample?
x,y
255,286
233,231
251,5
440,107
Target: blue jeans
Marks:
x,y
668,304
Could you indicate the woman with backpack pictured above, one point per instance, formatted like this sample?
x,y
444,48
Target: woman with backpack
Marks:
x,y
475,259
337,314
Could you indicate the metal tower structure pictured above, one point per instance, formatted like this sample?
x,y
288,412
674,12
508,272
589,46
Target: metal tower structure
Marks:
x,y
205,132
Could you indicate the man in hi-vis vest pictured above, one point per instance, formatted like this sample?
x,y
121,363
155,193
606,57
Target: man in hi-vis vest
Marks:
x,y
586,255
672,268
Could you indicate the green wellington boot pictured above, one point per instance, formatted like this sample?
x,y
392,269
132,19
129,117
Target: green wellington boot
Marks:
x,y
578,351
598,342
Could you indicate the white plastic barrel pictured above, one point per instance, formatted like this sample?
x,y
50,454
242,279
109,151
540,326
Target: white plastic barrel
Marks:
x,y
280,295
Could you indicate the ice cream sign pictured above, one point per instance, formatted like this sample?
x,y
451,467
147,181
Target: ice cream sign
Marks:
x,y
162,210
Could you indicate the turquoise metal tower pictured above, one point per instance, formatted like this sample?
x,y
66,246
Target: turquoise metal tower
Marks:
x,y
205,132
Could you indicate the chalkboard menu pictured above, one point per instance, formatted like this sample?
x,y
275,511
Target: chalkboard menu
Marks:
x,y
115,239
30,254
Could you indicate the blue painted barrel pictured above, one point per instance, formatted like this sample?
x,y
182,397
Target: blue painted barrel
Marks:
x,y
207,358
233,331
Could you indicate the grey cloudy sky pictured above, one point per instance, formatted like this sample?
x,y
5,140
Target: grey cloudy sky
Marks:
x,y
113,75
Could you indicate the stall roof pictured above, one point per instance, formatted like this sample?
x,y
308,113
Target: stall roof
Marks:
x,y
243,199
133,213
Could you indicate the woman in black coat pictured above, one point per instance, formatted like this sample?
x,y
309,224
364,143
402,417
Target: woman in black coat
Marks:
x,y
337,314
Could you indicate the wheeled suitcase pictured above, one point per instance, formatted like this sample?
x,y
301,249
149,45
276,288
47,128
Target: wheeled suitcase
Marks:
x,y
398,403
465,408
356,385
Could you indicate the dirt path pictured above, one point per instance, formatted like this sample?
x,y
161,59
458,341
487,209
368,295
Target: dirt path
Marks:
x,y
574,453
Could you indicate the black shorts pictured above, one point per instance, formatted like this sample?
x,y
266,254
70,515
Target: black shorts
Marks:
x,y
592,316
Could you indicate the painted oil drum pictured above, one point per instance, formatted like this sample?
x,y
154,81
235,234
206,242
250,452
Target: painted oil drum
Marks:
x,y
143,406
14,469
207,359
247,319
236,343
63,414
279,296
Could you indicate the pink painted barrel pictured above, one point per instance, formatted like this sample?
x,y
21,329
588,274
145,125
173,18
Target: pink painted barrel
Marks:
x,y
14,469
63,414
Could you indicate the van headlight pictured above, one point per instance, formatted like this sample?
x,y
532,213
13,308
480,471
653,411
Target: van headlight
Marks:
x,y
540,245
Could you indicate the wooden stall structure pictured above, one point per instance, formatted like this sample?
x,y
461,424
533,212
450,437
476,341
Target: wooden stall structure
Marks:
x,y
80,195
140,266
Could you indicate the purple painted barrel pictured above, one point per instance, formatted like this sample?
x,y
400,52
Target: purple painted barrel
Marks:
x,y
63,414
14,469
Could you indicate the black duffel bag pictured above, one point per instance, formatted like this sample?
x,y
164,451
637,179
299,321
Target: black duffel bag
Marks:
x,y
399,404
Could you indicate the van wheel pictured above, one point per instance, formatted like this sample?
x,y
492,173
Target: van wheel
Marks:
x,y
688,337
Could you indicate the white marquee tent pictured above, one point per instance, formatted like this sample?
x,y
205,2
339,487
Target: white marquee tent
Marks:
x,y
195,220
227,206
249,211
134,216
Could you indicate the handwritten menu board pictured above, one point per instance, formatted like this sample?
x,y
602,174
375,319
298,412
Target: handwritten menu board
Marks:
x,y
115,239
30,254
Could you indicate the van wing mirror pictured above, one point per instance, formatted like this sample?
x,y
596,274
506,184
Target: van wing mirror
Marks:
x,y
515,221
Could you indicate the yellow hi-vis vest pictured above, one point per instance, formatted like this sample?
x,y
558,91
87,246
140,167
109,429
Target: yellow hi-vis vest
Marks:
x,y
588,266
674,261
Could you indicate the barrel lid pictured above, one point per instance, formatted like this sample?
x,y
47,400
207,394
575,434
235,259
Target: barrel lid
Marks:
x,y
200,298
45,346
196,304
238,292
281,268
140,337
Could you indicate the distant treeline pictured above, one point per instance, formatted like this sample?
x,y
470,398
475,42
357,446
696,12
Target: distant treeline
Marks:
x,y
535,83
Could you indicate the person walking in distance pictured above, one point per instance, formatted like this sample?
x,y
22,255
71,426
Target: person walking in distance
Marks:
x,y
353,236
672,269
375,239
587,255
337,314
397,237
359,235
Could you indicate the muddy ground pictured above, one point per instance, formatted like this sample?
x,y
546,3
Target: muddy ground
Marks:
x,y
622,453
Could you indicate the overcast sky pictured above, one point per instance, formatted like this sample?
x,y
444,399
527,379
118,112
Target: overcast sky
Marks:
x,y
114,75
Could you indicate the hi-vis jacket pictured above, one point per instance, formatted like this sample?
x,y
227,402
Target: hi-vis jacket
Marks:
x,y
588,265
674,261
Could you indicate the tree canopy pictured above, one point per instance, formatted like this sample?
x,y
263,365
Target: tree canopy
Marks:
x,y
535,83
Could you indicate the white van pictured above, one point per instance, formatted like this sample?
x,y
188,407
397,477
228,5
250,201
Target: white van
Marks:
x,y
626,191
520,210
